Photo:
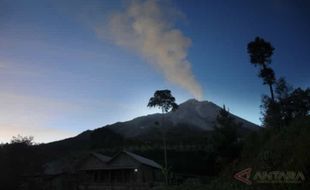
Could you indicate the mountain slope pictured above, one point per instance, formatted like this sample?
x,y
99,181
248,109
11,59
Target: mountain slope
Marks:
x,y
192,119
197,114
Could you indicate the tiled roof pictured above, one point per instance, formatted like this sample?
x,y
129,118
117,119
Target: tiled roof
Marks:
x,y
143,160
68,165
102,157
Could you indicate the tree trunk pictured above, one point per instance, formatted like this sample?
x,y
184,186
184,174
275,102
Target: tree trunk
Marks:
x,y
165,148
270,86
271,92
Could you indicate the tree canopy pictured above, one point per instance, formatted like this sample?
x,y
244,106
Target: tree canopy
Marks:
x,y
260,52
289,104
164,100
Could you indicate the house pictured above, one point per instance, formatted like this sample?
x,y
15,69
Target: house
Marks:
x,y
125,170
95,171
58,174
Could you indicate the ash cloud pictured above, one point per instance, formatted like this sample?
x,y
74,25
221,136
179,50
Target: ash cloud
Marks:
x,y
147,27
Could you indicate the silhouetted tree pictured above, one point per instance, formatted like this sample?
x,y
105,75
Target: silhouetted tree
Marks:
x,y
226,140
16,159
27,140
271,113
289,104
283,89
260,53
166,102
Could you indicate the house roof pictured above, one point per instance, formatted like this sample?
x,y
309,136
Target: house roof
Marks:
x,y
68,165
101,157
143,160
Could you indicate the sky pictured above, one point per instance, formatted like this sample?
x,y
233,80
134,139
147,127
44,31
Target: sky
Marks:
x,y
68,66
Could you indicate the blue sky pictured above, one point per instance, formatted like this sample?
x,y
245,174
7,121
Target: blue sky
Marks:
x,y
64,70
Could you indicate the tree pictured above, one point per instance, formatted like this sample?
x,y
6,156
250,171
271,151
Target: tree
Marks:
x,y
17,158
271,113
226,140
166,102
289,104
227,127
27,140
260,52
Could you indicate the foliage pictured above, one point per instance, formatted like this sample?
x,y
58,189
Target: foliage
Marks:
x,y
279,149
16,160
289,105
268,76
271,149
260,52
226,140
27,140
164,100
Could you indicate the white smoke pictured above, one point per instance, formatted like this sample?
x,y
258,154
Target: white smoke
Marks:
x,y
145,27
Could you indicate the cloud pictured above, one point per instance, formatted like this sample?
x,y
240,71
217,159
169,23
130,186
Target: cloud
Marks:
x,y
147,28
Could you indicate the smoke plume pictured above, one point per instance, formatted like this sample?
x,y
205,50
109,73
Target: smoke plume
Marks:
x,y
147,28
